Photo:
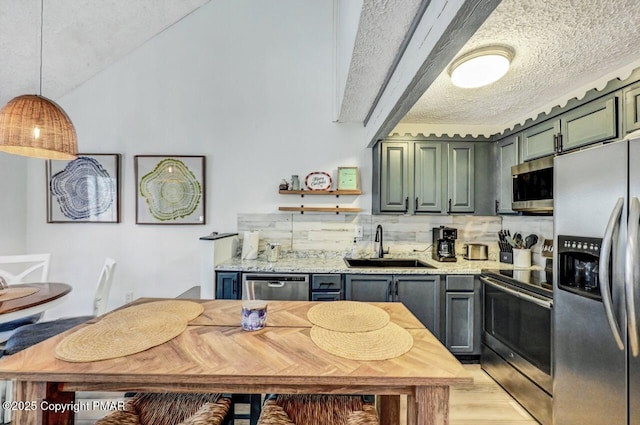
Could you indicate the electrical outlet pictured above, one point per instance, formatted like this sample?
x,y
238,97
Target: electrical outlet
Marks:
x,y
359,231
128,297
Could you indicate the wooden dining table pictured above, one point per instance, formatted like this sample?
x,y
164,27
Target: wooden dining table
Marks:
x,y
215,355
49,295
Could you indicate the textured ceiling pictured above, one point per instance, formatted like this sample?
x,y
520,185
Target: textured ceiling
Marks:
x,y
80,38
382,28
561,47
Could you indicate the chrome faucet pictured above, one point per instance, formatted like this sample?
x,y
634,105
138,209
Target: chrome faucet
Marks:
x,y
379,239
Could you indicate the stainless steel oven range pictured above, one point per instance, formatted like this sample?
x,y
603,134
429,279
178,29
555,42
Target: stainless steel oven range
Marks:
x,y
517,336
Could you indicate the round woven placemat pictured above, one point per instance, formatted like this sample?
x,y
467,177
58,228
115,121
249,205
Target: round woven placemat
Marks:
x,y
382,344
348,316
13,293
120,336
188,310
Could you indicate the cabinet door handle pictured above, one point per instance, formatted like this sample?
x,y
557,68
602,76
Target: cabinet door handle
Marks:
x,y
497,206
234,284
559,142
449,210
390,292
406,204
396,290
416,205
555,143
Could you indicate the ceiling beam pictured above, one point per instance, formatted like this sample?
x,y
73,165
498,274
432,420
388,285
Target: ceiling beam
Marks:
x,y
444,29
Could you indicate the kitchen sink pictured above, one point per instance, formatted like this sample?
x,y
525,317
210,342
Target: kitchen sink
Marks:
x,y
389,263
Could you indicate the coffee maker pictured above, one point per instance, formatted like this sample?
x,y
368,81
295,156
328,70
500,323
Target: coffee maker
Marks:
x,y
444,243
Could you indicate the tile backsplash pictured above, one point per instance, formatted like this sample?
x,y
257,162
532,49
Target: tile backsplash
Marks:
x,y
402,233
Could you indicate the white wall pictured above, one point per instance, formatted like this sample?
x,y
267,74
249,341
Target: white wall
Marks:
x,y
13,202
248,84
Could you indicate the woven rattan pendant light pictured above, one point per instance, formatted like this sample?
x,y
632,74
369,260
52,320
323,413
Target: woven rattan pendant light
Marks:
x,y
32,125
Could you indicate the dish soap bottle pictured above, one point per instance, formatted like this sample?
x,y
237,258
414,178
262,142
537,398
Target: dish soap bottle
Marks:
x,y
354,248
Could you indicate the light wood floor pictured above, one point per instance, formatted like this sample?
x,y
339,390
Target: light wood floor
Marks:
x,y
483,403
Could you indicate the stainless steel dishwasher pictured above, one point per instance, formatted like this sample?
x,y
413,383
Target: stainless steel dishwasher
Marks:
x,y
275,286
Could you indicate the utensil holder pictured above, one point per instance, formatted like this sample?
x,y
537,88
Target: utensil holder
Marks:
x,y
521,257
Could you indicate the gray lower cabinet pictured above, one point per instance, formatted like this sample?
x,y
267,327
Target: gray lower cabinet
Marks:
x,y
631,97
326,287
228,285
421,294
462,315
507,156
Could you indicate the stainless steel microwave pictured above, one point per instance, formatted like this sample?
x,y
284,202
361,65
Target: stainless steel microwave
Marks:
x,y
533,186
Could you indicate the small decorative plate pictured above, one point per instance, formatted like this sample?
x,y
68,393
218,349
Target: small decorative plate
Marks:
x,y
318,180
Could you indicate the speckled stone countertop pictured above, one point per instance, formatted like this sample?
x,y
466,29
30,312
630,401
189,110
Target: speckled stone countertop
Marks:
x,y
335,264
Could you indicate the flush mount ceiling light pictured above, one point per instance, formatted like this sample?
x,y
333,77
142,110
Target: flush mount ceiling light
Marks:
x,y
32,125
481,66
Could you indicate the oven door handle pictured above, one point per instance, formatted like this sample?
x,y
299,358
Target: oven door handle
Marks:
x,y
605,259
632,272
518,294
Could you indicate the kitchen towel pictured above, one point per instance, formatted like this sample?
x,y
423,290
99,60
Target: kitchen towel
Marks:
x,y
250,244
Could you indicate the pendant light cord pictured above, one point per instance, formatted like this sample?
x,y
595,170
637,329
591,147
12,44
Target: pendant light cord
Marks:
x,y
41,26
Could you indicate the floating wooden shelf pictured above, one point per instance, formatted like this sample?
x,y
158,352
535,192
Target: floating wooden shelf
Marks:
x,y
336,210
320,192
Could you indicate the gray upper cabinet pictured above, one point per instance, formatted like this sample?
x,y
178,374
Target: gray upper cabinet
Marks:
x,y
593,122
460,177
428,177
394,177
631,108
540,140
507,156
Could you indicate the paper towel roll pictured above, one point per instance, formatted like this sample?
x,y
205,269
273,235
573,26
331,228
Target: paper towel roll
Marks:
x,y
250,243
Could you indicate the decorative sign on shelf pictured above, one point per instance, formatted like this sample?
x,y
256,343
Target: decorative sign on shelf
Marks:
x,y
318,180
348,178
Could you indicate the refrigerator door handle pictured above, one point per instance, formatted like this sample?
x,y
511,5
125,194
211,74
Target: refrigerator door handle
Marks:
x,y
631,274
605,257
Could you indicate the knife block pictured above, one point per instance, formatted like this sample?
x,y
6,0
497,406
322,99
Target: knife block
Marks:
x,y
506,257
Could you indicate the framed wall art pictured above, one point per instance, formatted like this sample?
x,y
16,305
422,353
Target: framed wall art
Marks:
x,y
170,189
348,178
84,190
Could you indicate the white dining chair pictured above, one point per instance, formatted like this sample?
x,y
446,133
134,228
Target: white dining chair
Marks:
x,y
31,334
37,332
16,269
105,280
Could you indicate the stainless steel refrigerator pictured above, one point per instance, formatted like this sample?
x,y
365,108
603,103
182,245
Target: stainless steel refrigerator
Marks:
x,y
596,285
